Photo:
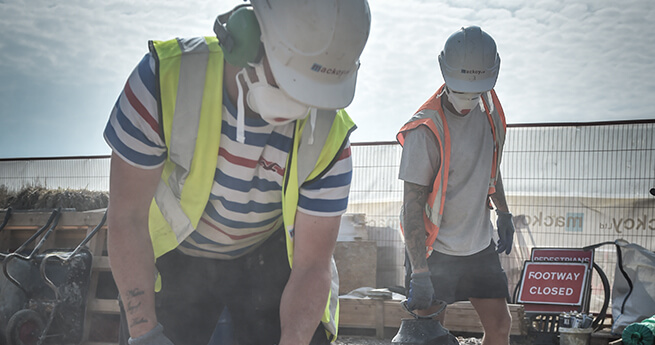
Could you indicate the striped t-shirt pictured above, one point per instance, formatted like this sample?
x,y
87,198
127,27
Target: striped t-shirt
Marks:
x,y
245,204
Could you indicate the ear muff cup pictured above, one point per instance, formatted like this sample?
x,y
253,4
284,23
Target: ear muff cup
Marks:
x,y
243,28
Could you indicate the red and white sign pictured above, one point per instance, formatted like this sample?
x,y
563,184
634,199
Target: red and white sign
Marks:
x,y
562,255
553,283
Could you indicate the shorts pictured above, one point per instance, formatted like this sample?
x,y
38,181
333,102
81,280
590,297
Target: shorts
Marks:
x,y
195,291
458,278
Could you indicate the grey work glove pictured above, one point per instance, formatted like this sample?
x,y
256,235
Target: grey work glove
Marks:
x,y
505,232
421,292
154,337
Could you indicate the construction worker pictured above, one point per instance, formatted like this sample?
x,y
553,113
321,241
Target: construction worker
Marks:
x,y
230,171
452,149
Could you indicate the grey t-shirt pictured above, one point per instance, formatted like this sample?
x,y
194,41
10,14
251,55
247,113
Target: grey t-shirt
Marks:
x,y
466,225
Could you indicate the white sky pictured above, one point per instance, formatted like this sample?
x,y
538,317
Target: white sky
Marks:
x,y
63,64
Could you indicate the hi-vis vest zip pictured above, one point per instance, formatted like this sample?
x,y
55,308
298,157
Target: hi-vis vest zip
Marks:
x,y
431,115
190,86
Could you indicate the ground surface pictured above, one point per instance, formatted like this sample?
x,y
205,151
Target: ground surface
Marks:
x,y
351,340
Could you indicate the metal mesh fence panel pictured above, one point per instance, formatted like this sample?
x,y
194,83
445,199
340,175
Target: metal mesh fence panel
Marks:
x,y
568,186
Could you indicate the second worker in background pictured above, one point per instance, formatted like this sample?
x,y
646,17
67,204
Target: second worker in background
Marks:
x,y
452,150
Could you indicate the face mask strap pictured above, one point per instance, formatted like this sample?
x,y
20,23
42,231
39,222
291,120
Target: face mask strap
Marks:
x,y
259,70
312,122
241,108
262,86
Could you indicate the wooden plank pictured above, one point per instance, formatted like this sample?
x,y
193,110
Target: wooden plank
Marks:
x,y
69,232
461,317
33,219
357,313
105,306
379,318
394,313
101,263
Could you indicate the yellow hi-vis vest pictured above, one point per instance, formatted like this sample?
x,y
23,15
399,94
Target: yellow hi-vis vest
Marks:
x,y
431,115
190,86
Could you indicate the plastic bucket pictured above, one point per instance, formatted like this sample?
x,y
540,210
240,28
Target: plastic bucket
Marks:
x,y
574,336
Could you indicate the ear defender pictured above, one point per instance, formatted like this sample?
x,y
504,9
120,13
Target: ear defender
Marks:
x,y
240,36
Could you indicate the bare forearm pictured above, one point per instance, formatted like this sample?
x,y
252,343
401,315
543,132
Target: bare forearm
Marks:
x,y
303,303
415,197
128,241
132,264
306,293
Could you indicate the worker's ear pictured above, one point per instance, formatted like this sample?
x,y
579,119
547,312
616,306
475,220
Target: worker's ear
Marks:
x,y
239,36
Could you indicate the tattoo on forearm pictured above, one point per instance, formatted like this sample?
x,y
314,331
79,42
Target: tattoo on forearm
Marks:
x,y
132,307
135,292
134,303
414,203
138,321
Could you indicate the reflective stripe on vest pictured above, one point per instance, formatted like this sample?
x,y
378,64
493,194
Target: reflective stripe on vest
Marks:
x,y
191,126
190,107
431,115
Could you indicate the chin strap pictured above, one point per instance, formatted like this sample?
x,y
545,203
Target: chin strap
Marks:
x,y
443,91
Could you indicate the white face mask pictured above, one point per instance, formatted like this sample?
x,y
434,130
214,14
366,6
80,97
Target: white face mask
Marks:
x,y
271,103
463,102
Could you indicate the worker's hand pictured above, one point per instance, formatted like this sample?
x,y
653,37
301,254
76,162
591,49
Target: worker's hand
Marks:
x,y
505,232
154,337
421,292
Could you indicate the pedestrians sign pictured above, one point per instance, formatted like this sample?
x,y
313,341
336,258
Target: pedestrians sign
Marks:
x,y
562,255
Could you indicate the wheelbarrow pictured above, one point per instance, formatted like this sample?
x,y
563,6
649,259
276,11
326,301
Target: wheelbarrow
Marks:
x,y
43,294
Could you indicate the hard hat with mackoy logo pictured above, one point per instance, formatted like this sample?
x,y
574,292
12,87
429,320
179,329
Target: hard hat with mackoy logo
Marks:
x,y
469,61
313,47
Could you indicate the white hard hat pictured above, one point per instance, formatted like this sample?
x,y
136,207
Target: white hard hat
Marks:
x,y
313,47
469,61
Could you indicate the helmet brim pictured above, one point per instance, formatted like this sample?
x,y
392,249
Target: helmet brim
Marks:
x,y
477,86
315,94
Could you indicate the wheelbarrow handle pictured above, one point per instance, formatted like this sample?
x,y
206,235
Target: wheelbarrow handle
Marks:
x,y
47,233
89,236
5,270
54,216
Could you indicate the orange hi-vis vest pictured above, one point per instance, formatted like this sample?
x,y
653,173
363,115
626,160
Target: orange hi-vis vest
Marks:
x,y
431,115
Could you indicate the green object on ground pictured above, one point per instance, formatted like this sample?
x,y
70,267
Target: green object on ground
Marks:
x,y
640,333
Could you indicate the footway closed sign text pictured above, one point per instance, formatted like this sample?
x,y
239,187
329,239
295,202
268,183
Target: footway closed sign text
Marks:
x,y
553,283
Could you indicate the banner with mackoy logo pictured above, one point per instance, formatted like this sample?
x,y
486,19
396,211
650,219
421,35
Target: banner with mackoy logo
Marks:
x,y
581,221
